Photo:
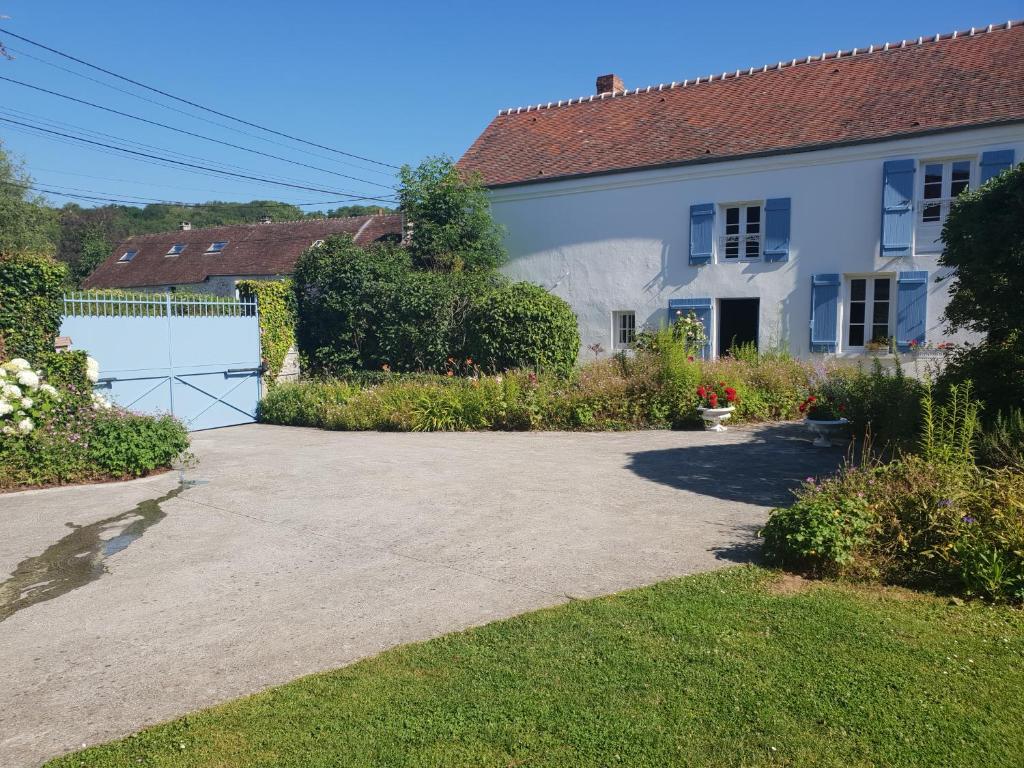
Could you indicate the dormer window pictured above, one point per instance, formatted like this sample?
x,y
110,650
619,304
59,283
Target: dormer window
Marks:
x,y
126,257
176,249
217,246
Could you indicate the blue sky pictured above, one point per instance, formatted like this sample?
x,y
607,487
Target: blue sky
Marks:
x,y
393,82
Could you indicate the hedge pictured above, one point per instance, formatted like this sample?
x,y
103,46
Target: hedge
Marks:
x,y
276,307
31,291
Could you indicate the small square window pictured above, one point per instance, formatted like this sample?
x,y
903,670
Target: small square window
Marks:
x,y
175,249
624,333
127,256
217,246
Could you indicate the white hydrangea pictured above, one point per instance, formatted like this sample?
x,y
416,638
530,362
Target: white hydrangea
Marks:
x,y
26,402
99,401
18,364
11,390
25,426
92,369
5,408
28,379
48,389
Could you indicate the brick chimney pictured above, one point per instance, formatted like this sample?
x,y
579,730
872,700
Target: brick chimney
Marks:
x,y
610,84
185,226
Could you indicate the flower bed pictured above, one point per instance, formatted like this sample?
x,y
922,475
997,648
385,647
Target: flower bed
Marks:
x,y
54,429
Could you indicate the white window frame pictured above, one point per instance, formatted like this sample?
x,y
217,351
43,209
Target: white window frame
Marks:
x,y
177,249
926,233
127,256
213,249
743,237
869,308
617,319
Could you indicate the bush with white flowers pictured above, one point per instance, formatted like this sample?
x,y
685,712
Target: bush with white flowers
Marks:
x,y
24,397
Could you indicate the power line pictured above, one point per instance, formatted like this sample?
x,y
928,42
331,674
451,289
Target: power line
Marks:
x,y
189,133
185,164
135,200
193,116
192,103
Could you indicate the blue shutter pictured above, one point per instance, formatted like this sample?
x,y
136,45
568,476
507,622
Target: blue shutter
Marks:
x,y
701,308
911,307
994,163
702,231
776,229
897,207
824,312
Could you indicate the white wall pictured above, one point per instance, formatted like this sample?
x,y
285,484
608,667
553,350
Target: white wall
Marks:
x,y
621,241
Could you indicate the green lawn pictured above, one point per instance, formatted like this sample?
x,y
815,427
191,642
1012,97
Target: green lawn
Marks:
x,y
725,669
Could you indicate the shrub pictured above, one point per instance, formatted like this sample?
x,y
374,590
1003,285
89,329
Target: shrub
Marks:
x,y
31,292
523,326
934,519
885,405
54,429
995,368
1001,443
127,444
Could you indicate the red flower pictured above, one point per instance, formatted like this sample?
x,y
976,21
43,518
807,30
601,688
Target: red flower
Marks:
x,y
713,399
701,392
689,358
730,394
812,399
802,408
842,408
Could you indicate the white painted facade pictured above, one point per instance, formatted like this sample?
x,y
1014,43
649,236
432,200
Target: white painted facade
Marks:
x,y
620,242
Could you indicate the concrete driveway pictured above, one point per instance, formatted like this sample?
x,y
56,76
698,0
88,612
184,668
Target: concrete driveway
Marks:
x,y
300,550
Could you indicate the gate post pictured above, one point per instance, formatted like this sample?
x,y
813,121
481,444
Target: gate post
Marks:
x,y
170,361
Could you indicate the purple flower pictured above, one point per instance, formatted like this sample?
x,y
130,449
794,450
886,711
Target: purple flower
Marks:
x,y
808,479
945,502
968,519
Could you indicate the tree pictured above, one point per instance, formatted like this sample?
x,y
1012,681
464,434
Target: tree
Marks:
x,y
984,243
984,239
26,224
450,217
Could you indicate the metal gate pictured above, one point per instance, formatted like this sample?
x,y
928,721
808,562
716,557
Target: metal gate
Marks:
x,y
198,359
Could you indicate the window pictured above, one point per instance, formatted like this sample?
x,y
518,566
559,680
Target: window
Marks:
x,y
624,333
317,243
869,311
217,246
742,237
175,249
941,183
127,256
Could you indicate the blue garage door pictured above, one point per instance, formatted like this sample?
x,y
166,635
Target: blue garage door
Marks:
x,y
198,359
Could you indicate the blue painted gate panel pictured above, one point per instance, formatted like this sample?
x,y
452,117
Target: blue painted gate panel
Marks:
x,y
197,360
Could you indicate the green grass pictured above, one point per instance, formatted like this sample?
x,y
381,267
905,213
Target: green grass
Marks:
x,y
714,670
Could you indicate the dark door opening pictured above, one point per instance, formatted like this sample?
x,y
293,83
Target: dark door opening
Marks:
x,y
737,323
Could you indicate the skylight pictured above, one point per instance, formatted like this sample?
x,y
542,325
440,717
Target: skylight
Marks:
x,y
317,243
176,249
217,246
127,256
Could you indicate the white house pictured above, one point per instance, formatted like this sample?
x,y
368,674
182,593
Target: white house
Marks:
x,y
798,203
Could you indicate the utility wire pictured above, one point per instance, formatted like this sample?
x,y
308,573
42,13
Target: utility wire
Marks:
x,y
187,165
94,195
192,103
189,133
193,116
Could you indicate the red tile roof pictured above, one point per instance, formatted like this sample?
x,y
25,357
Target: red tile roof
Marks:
x,y
252,249
919,86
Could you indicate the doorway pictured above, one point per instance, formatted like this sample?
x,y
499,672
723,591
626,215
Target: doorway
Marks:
x,y
737,323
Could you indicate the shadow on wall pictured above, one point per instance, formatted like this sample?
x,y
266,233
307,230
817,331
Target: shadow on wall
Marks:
x,y
762,470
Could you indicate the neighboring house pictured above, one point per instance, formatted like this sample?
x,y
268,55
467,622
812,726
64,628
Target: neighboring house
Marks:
x,y
214,259
798,203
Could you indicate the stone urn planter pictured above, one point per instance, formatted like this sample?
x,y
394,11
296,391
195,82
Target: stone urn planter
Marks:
x,y
824,428
713,417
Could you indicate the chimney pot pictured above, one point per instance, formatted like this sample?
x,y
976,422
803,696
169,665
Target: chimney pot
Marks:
x,y
185,226
266,220
610,84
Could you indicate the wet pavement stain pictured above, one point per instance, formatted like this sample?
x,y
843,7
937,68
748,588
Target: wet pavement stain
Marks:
x,y
77,559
